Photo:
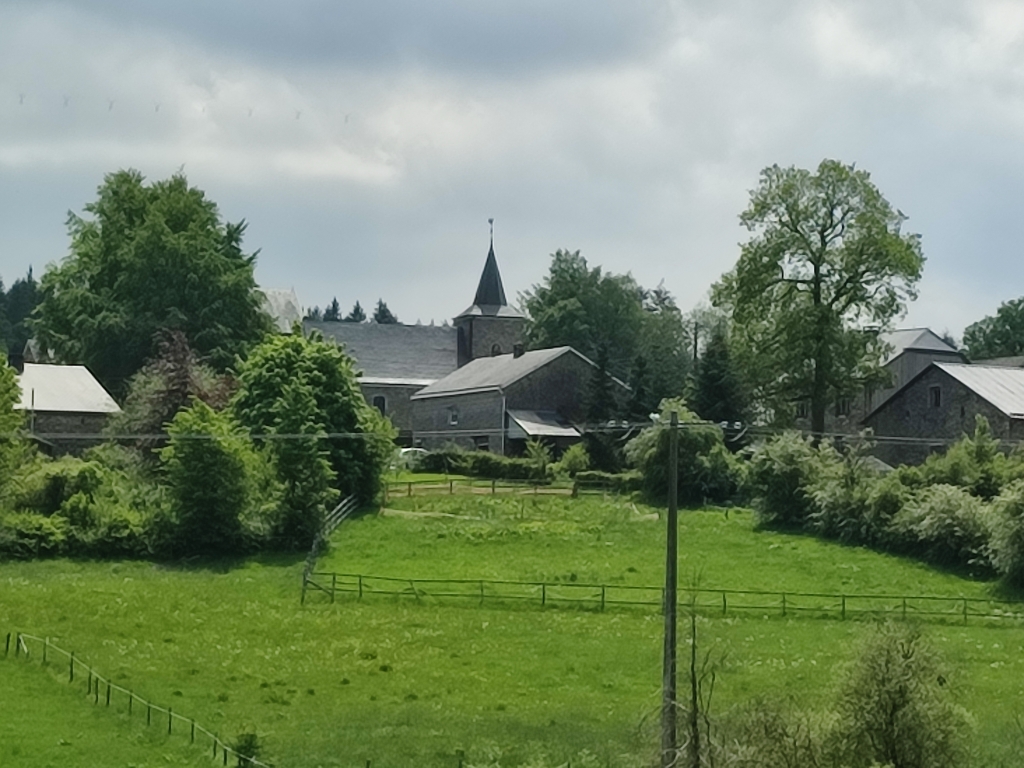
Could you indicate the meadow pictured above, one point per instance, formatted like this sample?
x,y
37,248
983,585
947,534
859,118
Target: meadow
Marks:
x,y
402,682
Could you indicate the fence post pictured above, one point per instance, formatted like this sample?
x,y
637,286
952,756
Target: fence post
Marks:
x,y
7,645
96,691
108,693
904,609
131,700
494,484
46,644
965,610
360,586
409,492
88,684
149,713
844,606
192,736
724,604
71,668
451,487
481,593
169,719
214,747
602,596
543,594
334,585
17,645
783,603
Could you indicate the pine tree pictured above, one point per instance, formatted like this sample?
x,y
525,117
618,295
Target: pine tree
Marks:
x,y
357,315
640,405
600,402
333,312
718,390
383,315
314,314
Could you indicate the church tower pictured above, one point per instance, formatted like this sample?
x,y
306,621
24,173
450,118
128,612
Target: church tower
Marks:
x,y
490,326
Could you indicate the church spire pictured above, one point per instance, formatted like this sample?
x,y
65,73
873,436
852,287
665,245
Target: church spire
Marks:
x,y
490,292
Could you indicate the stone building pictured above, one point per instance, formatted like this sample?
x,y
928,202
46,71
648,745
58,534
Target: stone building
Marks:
x,y
497,403
65,407
939,405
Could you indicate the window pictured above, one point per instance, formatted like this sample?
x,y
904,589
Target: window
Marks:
x,y
380,404
843,406
803,409
453,417
482,443
935,397
496,350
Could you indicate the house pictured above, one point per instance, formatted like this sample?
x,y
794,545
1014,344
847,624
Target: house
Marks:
x,y
939,406
910,351
497,403
66,408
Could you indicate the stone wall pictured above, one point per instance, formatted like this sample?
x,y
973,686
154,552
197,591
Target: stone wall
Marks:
x,y
478,335
57,430
479,421
397,405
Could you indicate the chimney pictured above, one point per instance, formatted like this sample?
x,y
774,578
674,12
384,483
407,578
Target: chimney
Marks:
x,y
517,350
17,361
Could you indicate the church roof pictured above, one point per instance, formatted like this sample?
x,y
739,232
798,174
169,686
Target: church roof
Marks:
x,y
490,293
394,353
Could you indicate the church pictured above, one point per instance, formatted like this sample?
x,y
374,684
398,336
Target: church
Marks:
x,y
470,383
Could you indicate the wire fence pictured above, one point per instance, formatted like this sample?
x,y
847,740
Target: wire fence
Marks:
x,y
103,689
707,601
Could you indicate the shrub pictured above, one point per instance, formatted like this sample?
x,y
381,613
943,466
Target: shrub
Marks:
x,y
707,470
573,461
894,707
778,479
1008,534
209,487
480,464
849,500
617,482
26,535
43,486
944,524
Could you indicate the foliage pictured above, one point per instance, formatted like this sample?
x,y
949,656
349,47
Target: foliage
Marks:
x,y
13,448
26,535
718,390
665,348
539,453
1001,335
382,314
894,706
210,490
1007,543
778,479
332,313
617,482
585,308
707,471
826,260
480,464
357,315
574,460
849,501
945,524
600,398
16,306
149,257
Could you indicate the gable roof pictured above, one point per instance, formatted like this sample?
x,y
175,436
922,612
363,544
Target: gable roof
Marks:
x,y
392,352
62,389
916,339
494,373
1001,386
490,293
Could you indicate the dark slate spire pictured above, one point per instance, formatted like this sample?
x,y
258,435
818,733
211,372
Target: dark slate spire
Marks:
x,y
490,292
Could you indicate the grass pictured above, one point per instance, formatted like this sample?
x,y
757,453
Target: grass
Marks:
x,y
402,683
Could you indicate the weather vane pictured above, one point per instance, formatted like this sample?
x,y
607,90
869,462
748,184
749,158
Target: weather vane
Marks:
x,y
491,222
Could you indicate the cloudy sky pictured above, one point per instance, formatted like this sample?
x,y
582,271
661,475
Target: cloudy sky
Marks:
x,y
367,143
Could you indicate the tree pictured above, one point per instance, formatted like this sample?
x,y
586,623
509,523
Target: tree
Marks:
x,y
600,400
286,372
16,306
665,346
333,311
382,314
1001,335
357,315
827,267
314,314
718,390
12,448
208,481
587,309
149,257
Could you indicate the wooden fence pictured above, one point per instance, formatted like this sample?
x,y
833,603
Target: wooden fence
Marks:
x,y
707,601
101,688
480,486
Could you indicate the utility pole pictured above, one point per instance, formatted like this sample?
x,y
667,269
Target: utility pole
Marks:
x,y
669,743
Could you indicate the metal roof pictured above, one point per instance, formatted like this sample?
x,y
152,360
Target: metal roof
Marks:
x,y
1001,386
539,424
918,339
389,351
490,373
62,389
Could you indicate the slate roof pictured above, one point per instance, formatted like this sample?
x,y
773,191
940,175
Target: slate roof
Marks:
x,y
1001,386
490,293
918,339
283,305
62,389
394,353
493,373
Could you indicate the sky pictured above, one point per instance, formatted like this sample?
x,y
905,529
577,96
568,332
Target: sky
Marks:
x,y
367,143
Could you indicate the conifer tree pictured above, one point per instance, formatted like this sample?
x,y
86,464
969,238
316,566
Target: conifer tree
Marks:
x,y
333,312
718,390
383,315
357,315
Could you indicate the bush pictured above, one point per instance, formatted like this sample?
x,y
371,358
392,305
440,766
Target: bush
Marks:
x,y
26,535
573,461
849,501
1008,534
894,707
779,476
617,482
708,472
480,464
43,486
946,525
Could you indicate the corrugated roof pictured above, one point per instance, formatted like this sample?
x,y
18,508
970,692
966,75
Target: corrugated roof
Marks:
x,y
920,339
493,372
394,351
1001,386
63,389
541,424
283,305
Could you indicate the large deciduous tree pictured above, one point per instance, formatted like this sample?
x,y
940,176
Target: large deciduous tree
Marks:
x,y
148,257
827,267
1001,335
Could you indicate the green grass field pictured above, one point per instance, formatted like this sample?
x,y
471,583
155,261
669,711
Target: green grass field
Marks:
x,y
404,683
